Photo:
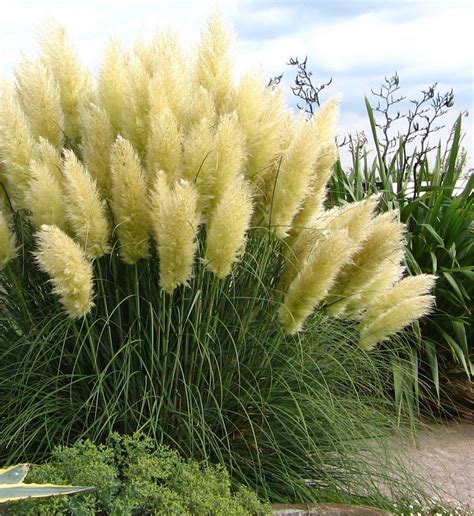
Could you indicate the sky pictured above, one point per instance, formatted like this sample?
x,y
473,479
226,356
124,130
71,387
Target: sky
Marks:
x,y
356,43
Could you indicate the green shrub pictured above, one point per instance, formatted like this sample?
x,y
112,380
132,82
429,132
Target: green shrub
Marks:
x,y
134,476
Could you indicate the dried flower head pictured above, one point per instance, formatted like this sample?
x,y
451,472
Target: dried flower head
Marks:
x,y
175,225
85,210
129,201
45,198
228,226
70,271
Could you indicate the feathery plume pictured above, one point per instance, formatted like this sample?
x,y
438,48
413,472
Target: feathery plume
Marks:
x,y
112,83
229,144
85,211
315,279
385,239
167,87
7,242
228,226
388,273
316,193
129,201
160,189
39,97
213,66
73,80
202,107
355,217
164,148
146,55
66,264
200,158
326,118
393,320
298,249
48,155
324,134
411,286
262,117
97,138
175,223
287,188
135,119
44,197
17,145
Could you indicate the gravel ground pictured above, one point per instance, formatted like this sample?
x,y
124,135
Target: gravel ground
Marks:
x,y
444,455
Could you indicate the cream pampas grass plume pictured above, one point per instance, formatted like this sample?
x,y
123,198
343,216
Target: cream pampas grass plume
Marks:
x,y
288,186
175,223
73,81
228,227
7,242
135,117
388,273
164,148
129,201
326,155
200,158
50,156
97,138
213,66
167,88
202,107
85,210
70,271
45,197
16,143
393,320
40,100
112,83
315,278
229,144
262,116
355,217
385,239
403,290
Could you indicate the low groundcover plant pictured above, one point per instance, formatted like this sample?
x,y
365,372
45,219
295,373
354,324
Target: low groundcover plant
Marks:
x,y
168,266
135,476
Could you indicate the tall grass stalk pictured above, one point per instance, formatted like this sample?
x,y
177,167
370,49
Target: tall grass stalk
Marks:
x,y
208,370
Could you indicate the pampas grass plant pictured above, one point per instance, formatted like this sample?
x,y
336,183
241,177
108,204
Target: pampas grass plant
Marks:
x,y
167,265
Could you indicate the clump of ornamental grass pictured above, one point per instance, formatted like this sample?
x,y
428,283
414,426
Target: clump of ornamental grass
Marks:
x,y
168,266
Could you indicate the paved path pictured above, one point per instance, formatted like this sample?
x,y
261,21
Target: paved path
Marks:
x,y
444,455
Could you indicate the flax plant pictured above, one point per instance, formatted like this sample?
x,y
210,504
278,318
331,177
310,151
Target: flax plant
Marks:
x,y
172,273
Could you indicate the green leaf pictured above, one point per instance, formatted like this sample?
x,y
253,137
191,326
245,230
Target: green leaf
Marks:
x,y
431,230
10,493
14,474
433,362
373,128
455,286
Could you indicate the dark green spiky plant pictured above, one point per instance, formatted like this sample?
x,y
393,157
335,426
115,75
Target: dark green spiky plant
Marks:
x,y
180,224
